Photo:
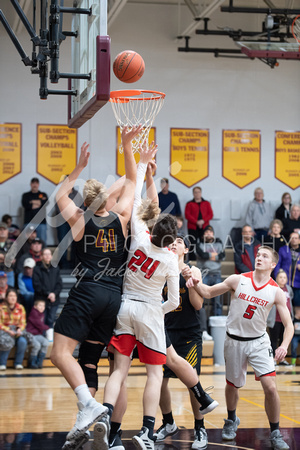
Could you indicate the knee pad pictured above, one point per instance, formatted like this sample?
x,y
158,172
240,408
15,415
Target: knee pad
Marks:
x,y
90,354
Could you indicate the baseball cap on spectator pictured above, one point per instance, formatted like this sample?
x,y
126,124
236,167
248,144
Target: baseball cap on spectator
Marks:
x,y
29,262
2,273
208,228
37,240
3,225
185,240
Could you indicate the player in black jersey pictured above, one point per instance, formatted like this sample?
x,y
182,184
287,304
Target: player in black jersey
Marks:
x,y
94,301
184,338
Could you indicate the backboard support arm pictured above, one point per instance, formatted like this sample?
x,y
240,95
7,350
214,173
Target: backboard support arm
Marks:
x,y
25,58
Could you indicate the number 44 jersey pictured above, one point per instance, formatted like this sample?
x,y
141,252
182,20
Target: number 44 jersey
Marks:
x,y
250,306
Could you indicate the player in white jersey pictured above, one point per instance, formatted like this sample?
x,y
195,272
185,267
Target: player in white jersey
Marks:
x,y
252,296
140,320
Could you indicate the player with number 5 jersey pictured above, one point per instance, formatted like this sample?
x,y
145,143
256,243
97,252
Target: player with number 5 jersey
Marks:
x,y
252,296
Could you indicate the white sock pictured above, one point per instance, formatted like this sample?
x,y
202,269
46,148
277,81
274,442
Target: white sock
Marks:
x,y
83,393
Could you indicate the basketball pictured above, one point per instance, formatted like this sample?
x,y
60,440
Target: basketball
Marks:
x,y
128,66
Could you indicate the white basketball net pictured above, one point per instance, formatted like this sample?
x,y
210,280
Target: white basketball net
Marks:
x,y
132,108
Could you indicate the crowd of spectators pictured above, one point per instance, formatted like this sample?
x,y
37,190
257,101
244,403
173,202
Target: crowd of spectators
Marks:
x,y
35,278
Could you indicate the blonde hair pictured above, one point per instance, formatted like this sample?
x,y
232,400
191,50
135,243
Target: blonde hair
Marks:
x,y
278,222
95,195
148,212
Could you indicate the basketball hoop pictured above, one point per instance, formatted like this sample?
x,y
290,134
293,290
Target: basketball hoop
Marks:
x,y
136,107
296,29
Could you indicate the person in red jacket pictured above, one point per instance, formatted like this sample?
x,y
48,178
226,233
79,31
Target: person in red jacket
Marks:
x,y
36,326
245,251
198,213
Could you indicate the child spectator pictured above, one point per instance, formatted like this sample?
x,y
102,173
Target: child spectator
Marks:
x,y
13,229
36,326
12,325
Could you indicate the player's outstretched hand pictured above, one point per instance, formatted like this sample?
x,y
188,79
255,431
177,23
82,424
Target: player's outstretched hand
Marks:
x,y
151,168
147,153
129,134
192,281
84,155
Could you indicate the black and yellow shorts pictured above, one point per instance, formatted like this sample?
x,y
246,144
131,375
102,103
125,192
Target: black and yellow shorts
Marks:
x,y
188,344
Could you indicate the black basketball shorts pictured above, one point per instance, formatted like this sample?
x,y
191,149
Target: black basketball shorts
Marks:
x,y
188,344
90,312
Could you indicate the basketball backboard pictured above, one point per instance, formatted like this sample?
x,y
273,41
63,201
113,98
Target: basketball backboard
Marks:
x,y
90,55
277,50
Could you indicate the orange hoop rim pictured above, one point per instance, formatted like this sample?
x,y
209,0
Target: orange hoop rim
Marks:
x,y
293,33
127,95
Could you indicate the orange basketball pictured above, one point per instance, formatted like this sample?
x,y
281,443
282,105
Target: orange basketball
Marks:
x,y
128,66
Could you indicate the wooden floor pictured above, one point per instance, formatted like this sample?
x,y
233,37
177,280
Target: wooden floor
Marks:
x,y
38,408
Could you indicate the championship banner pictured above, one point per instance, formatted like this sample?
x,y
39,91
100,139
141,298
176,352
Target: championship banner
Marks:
x,y
120,163
287,158
10,150
189,150
241,156
56,151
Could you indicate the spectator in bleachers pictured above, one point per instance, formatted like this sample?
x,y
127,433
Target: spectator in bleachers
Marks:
x,y
47,285
275,239
245,251
4,286
259,214
274,321
37,327
12,324
168,201
210,253
5,245
30,236
283,211
179,222
35,252
198,213
25,284
33,202
296,337
292,223
13,229
289,261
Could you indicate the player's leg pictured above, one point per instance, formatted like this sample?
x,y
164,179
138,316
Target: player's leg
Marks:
x,y
236,362
144,439
272,407
185,372
89,410
200,434
168,427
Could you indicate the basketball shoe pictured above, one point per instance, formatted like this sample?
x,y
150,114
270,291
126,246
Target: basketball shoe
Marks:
x,y
86,416
101,434
229,429
208,404
142,440
77,443
201,440
115,441
277,441
164,431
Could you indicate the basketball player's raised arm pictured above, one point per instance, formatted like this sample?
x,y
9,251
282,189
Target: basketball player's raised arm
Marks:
x,y
150,185
124,205
70,212
285,316
230,284
146,155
